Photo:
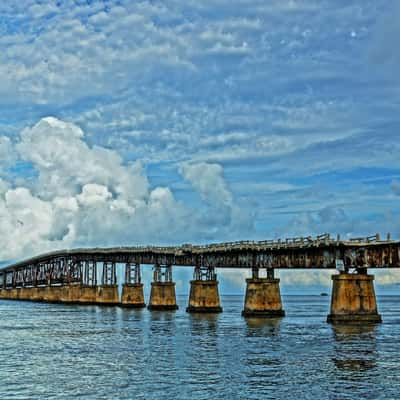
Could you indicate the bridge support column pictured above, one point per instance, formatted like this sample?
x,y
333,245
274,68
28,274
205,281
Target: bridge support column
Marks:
x,y
353,299
162,295
204,296
132,289
263,296
87,292
107,293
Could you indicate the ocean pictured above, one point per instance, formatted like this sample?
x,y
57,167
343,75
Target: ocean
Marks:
x,y
56,351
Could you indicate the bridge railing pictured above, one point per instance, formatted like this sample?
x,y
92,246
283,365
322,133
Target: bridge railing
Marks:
x,y
300,241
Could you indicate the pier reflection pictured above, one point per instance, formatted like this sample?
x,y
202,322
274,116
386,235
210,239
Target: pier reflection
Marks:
x,y
204,344
262,326
204,323
346,331
162,315
262,365
355,349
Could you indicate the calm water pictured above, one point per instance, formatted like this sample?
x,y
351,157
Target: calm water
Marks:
x,y
66,352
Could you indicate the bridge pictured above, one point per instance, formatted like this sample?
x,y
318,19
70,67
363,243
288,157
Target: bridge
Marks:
x,y
73,276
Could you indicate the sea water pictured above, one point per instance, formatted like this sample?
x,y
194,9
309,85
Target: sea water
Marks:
x,y
56,351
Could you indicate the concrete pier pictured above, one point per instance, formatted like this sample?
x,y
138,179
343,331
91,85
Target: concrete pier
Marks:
x,y
132,295
75,294
162,296
107,295
353,299
204,297
83,294
263,298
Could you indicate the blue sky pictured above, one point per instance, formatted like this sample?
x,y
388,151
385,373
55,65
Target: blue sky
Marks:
x,y
127,122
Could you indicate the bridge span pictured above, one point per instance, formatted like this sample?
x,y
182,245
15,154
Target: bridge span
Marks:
x,y
88,276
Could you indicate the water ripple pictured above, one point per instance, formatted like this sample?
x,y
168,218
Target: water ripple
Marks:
x,y
69,352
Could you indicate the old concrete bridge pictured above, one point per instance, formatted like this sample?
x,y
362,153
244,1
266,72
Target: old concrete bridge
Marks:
x,y
71,276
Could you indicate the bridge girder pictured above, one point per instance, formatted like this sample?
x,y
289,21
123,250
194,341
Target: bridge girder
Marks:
x,y
80,266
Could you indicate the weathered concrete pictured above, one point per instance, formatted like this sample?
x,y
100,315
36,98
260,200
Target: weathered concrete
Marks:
x,y
263,298
107,295
84,294
52,294
23,293
132,295
353,299
162,296
204,297
34,293
13,294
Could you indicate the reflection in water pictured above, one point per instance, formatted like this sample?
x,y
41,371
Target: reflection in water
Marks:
x,y
162,315
162,323
132,314
106,317
346,331
263,365
355,348
263,326
203,323
204,346
111,353
355,365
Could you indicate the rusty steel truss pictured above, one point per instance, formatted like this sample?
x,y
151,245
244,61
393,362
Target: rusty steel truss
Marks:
x,y
81,266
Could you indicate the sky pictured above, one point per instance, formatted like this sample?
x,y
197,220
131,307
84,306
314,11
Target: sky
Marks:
x,y
168,122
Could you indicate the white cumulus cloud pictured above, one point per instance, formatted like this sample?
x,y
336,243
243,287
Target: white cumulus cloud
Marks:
x,y
207,179
83,195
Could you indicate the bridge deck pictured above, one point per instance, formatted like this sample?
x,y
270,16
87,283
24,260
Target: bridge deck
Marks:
x,y
321,252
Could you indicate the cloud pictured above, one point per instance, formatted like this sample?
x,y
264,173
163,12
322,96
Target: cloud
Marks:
x,y
395,186
384,53
92,194
286,127
177,82
327,219
88,196
293,279
207,179
387,277
65,162
47,70
7,153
